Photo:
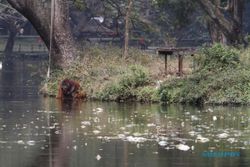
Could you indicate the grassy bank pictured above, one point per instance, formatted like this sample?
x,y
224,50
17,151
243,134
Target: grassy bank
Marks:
x,y
222,76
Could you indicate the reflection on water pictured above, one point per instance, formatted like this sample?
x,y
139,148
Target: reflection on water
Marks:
x,y
47,132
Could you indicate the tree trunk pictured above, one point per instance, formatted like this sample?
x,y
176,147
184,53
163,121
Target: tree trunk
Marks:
x,y
126,34
228,21
38,13
10,43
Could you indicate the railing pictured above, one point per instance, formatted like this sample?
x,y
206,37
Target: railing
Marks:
x,y
24,44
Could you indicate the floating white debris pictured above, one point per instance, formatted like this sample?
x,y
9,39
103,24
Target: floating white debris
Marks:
x,y
194,118
182,147
86,123
214,118
136,139
57,132
3,142
130,125
162,143
192,133
151,125
20,142
121,136
83,126
210,110
96,132
96,119
31,143
136,134
183,124
99,110
201,139
98,157
231,140
192,147
75,147
222,135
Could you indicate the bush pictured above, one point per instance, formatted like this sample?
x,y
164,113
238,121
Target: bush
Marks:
x,y
218,57
126,87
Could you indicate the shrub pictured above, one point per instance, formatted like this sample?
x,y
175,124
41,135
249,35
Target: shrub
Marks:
x,y
126,87
218,57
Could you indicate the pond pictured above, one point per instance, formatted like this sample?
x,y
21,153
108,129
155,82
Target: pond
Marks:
x,y
37,131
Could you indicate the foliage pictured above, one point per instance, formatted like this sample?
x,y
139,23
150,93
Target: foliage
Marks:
x,y
218,57
126,87
221,78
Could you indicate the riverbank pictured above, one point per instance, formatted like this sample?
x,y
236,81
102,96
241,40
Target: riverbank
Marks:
x,y
221,77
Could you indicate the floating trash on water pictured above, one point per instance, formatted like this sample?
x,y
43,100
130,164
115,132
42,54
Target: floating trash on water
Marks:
x,y
99,110
96,132
136,139
3,142
194,118
57,132
222,135
201,139
163,143
192,147
182,147
31,143
183,124
136,134
192,133
96,119
20,142
130,125
210,110
151,125
75,147
231,140
98,157
86,123
155,152
121,136
214,118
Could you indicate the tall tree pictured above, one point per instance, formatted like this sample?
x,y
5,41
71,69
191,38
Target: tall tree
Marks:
x,y
227,19
223,17
39,14
126,33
